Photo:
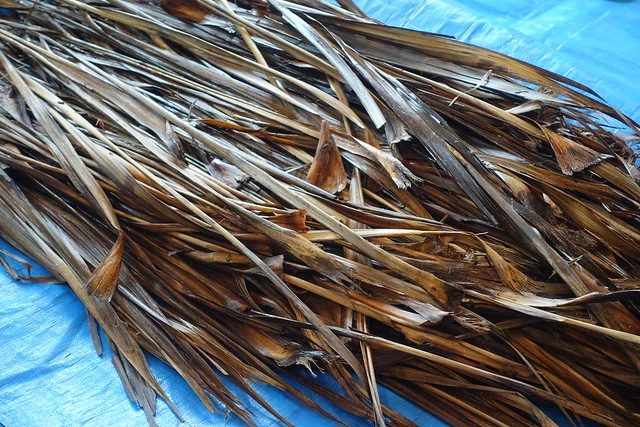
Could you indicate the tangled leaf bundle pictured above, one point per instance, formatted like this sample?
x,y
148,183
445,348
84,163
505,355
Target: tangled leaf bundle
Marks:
x,y
264,187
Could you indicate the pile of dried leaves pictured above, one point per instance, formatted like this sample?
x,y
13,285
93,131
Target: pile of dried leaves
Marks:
x,y
267,186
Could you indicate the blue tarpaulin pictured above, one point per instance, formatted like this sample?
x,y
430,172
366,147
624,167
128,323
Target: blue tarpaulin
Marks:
x,y
49,372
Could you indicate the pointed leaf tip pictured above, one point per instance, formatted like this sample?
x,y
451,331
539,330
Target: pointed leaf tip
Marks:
x,y
327,170
571,156
104,280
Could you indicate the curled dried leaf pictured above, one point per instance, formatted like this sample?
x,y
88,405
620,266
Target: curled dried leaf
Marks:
x,y
189,10
327,170
572,157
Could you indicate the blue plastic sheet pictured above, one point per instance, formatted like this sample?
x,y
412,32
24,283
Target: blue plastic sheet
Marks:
x,y
49,373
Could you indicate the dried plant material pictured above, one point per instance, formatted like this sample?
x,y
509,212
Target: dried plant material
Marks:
x,y
104,279
571,156
326,170
9,102
226,173
189,10
265,188
296,220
